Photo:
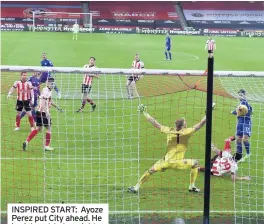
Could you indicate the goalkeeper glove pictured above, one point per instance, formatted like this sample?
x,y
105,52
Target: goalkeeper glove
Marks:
x,y
213,106
142,108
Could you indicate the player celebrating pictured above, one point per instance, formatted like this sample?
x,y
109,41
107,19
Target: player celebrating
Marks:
x,y
177,143
223,163
35,81
210,46
243,128
168,47
75,30
25,94
43,115
87,86
132,79
45,75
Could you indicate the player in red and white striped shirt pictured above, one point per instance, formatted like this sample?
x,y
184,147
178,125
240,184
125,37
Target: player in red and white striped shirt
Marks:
x,y
132,79
25,98
224,163
87,86
210,46
43,117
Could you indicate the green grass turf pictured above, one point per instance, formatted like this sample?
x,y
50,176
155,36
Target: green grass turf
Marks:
x,y
97,155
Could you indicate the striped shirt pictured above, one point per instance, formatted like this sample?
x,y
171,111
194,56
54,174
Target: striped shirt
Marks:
x,y
138,64
87,78
210,45
45,100
223,165
23,90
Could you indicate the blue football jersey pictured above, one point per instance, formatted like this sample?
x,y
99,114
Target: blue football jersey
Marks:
x,y
168,41
46,63
247,118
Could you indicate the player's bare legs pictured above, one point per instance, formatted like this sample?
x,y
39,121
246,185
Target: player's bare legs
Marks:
x,y
128,84
134,89
18,119
143,179
34,133
86,99
75,36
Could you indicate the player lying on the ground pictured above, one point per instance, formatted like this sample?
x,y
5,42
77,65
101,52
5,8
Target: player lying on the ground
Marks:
x,y
75,30
168,47
35,81
45,75
87,85
224,163
177,143
25,98
132,79
43,117
243,127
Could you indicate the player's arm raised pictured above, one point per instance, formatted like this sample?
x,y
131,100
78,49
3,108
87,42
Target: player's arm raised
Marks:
x,y
143,109
202,122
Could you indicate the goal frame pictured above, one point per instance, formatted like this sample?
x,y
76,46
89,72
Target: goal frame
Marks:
x,y
120,71
53,13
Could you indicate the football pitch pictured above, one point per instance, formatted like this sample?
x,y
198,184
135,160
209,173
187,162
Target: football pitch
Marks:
x,y
99,154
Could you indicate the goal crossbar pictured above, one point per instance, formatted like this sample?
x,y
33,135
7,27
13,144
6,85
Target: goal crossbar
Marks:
x,y
121,71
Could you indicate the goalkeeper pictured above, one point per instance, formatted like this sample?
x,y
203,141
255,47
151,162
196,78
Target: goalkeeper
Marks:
x,y
177,143
75,30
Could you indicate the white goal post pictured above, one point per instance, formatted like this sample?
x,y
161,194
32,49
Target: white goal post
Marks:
x,y
61,21
99,154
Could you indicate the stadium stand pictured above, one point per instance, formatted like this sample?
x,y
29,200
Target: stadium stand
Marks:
x,y
224,15
135,14
25,9
119,14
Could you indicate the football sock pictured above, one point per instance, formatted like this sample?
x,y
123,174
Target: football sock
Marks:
x,y
239,147
90,101
32,135
247,146
47,138
33,114
143,179
83,104
18,120
193,176
227,144
166,54
56,89
22,114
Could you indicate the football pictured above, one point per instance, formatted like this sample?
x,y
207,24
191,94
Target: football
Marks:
x,y
242,110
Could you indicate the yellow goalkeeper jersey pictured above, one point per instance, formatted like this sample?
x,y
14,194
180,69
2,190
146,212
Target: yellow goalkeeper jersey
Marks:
x,y
177,142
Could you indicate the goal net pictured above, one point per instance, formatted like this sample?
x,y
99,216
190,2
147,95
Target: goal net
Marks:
x,y
61,21
99,154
